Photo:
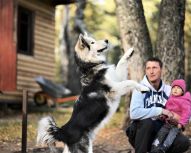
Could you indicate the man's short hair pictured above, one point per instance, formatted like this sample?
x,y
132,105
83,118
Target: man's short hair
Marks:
x,y
154,59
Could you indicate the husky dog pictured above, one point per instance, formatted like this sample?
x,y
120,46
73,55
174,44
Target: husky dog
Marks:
x,y
102,87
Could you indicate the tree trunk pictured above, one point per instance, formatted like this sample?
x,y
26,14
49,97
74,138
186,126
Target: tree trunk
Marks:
x,y
79,27
69,72
64,45
170,39
134,33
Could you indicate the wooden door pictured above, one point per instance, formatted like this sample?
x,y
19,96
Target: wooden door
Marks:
x,y
7,47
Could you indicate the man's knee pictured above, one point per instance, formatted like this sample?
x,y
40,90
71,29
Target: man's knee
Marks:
x,y
180,144
185,144
146,124
131,132
143,126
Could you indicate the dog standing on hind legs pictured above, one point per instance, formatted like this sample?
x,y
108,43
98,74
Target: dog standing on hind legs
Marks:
x,y
102,87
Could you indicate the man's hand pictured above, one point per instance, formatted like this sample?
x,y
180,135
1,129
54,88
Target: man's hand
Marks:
x,y
173,118
176,117
171,115
142,88
180,126
168,113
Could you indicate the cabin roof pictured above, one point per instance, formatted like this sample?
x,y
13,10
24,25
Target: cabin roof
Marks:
x,y
58,2
63,2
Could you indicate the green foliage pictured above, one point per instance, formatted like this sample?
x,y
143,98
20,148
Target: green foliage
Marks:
x,y
187,27
151,11
101,22
11,128
187,38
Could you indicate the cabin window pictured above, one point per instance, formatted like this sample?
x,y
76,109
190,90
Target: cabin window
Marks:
x,y
25,31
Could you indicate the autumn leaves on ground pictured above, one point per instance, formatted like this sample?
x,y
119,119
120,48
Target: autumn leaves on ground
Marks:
x,y
111,139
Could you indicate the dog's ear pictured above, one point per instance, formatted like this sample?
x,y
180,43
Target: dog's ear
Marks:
x,y
82,42
85,34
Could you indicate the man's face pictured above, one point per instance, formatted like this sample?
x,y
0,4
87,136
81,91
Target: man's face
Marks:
x,y
153,71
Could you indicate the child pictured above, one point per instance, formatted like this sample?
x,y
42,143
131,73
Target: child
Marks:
x,y
178,103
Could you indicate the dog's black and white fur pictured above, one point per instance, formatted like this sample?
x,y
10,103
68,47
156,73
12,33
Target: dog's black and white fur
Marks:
x,y
102,87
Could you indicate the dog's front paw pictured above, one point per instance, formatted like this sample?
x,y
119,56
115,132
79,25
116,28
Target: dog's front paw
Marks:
x,y
129,53
142,88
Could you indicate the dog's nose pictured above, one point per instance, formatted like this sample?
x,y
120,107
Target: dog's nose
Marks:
x,y
106,41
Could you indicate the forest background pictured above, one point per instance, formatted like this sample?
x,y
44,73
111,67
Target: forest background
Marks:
x,y
153,28
106,19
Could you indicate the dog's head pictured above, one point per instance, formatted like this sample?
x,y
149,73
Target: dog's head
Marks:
x,y
90,50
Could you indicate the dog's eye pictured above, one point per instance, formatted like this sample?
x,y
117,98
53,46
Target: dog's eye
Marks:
x,y
92,42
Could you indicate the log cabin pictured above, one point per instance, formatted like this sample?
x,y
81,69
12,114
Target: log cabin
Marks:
x,y
27,42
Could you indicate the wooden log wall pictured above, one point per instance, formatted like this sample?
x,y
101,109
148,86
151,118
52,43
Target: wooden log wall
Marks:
x,y
43,60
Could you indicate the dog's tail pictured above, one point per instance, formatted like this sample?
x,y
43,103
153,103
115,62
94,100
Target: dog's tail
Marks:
x,y
47,131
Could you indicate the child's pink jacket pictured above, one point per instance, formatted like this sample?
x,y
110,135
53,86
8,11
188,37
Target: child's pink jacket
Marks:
x,y
182,106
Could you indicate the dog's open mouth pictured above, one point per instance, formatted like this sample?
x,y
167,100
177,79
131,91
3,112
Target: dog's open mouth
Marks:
x,y
101,50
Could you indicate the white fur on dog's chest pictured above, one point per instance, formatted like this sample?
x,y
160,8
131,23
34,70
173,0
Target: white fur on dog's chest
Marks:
x,y
111,73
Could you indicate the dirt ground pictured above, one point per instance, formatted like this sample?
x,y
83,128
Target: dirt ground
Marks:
x,y
107,141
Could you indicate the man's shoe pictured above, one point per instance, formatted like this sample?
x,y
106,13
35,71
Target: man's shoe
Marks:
x,y
163,148
159,149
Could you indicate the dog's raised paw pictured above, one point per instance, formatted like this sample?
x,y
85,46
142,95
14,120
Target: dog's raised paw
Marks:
x,y
142,88
129,52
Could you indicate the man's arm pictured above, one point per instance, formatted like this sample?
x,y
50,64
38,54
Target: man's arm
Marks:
x,y
137,110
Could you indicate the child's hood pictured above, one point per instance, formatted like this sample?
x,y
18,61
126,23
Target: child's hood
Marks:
x,y
163,86
187,96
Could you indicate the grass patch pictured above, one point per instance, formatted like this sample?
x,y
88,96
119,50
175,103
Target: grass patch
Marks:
x,y
11,126
10,130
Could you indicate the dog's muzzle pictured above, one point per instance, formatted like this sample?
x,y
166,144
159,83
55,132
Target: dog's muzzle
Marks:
x,y
101,50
